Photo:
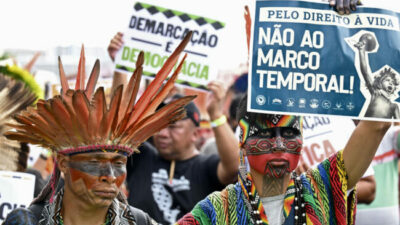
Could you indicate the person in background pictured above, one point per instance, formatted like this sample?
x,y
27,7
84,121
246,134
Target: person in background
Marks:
x,y
384,209
174,171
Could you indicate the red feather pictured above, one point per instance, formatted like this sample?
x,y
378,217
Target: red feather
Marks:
x,y
94,76
80,77
154,86
63,78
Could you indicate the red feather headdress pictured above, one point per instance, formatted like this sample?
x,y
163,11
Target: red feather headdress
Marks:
x,y
80,120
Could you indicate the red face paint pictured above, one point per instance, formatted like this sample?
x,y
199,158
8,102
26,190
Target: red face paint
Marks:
x,y
97,176
274,152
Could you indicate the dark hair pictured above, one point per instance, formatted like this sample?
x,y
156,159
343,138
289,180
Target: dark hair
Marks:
x,y
242,108
233,107
242,111
384,73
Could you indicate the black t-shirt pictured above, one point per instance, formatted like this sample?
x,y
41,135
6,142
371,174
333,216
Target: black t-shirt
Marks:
x,y
151,191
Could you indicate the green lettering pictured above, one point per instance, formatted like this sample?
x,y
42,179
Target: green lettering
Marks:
x,y
191,73
133,55
147,58
125,53
204,73
155,60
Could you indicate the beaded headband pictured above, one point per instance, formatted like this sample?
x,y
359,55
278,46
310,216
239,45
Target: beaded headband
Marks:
x,y
252,123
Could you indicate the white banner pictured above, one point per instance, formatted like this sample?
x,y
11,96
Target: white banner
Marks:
x,y
323,136
157,31
16,190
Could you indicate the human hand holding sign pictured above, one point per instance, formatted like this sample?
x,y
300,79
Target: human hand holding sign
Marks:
x,y
215,100
115,44
344,6
227,143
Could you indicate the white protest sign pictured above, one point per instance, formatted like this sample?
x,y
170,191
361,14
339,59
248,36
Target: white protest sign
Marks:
x,y
157,31
323,136
16,190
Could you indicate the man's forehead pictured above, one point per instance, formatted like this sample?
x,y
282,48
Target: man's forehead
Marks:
x,y
275,120
185,120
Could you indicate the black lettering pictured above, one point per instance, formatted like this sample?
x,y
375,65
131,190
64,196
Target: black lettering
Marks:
x,y
213,40
140,24
160,28
176,36
167,46
132,23
2,206
150,25
203,38
185,32
195,33
168,33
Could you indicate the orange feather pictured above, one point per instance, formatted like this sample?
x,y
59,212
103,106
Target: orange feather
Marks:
x,y
63,78
111,115
154,86
63,118
80,77
164,92
94,76
97,109
130,92
247,18
81,108
161,113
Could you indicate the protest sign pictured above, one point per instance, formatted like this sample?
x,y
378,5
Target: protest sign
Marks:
x,y
158,31
16,190
307,59
324,136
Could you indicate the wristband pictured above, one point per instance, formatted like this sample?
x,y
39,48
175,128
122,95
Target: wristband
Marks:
x,y
218,122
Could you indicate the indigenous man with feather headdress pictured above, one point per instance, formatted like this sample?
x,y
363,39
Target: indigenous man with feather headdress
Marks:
x,y
91,140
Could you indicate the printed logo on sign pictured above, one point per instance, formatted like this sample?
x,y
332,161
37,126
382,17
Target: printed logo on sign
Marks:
x,y
350,106
260,99
314,103
302,103
290,102
276,101
338,106
326,104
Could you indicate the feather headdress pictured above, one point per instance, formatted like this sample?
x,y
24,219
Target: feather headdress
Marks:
x,y
14,97
80,120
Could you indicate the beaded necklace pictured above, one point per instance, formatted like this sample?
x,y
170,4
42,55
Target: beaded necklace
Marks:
x,y
293,198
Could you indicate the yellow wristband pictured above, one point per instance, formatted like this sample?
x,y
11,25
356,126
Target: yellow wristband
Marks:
x,y
218,122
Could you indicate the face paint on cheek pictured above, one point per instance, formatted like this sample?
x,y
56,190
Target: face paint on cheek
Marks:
x,y
88,179
90,172
120,180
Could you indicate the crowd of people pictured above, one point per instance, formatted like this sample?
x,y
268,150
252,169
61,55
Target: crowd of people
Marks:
x,y
126,157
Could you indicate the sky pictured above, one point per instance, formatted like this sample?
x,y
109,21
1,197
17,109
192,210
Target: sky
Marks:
x,y
45,24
